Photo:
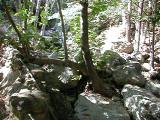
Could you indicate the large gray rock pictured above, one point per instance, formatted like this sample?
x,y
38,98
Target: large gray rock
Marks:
x,y
61,106
154,87
142,104
3,112
58,77
123,47
20,88
129,73
16,78
110,59
29,104
15,74
95,107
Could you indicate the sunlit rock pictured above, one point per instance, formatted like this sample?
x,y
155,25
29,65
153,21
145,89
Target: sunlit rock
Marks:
x,y
129,73
110,59
142,104
154,87
95,107
30,105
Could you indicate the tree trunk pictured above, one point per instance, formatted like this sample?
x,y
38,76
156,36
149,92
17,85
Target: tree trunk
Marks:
x,y
152,47
32,7
154,12
44,25
25,21
128,30
63,30
24,46
37,12
17,4
71,64
96,81
139,26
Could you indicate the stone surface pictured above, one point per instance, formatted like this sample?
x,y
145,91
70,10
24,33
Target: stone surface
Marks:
x,y
153,86
146,67
57,77
129,73
123,47
142,104
61,106
30,105
110,59
10,70
95,107
1,77
3,112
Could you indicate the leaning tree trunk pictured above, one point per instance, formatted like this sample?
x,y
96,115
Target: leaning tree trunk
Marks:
x,y
63,30
96,81
26,51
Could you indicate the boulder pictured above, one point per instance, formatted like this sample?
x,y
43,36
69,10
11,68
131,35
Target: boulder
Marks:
x,y
142,57
59,77
29,104
123,47
61,106
3,111
15,77
95,107
142,104
154,74
110,59
146,67
1,77
153,86
129,73
11,69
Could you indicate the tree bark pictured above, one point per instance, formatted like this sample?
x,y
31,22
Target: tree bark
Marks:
x,y
128,30
152,47
25,21
154,10
139,25
11,20
44,25
24,46
63,30
37,12
73,65
96,81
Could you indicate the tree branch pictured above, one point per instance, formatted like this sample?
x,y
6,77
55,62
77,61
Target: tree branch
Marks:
x,y
11,20
71,64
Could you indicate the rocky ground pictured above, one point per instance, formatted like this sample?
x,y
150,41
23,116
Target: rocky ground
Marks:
x,y
50,92
3,112
30,91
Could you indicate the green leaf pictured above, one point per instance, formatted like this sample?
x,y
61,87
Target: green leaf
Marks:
x,y
32,19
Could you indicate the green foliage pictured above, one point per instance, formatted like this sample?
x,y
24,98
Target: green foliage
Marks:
x,y
23,14
100,6
109,59
43,17
49,44
75,28
96,17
